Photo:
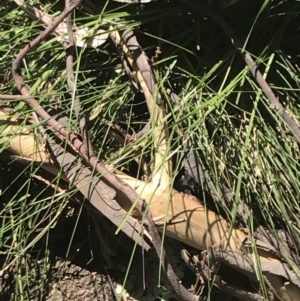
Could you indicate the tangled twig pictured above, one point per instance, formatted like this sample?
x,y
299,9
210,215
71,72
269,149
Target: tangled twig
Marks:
x,y
122,189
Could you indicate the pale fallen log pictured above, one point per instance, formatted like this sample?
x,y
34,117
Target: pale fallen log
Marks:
x,y
199,227
204,229
20,140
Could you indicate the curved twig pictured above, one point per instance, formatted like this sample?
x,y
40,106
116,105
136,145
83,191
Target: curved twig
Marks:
x,y
123,190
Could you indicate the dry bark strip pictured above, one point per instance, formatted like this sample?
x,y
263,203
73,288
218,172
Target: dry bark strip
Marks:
x,y
123,191
202,229
100,195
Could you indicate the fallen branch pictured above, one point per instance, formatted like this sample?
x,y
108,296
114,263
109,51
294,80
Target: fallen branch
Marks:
x,y
274,102
123,191
100,195
202,229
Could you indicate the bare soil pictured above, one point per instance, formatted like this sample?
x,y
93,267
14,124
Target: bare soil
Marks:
x,y
83,273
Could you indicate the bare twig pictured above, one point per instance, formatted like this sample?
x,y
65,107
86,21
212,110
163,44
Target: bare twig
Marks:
x,y
181,293
229,289
275,104
11,97
123,190
42,132
70,50
100,195
145,77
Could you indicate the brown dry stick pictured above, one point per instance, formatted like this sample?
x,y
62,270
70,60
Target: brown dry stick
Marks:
x,y
97,192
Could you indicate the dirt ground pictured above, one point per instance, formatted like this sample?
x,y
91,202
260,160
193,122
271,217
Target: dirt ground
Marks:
x,y
82,259
86,273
